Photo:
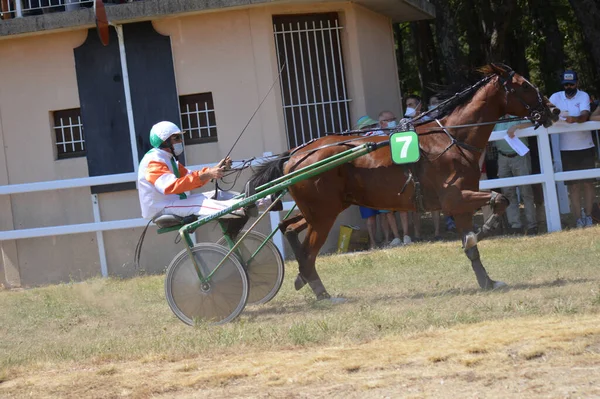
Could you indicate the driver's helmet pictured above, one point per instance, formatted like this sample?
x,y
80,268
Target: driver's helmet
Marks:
x,y
162,131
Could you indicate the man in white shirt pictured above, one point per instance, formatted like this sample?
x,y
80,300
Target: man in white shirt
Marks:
x,y
577,148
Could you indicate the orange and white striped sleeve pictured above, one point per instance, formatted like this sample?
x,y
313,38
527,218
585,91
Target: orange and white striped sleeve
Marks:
x,y
165,181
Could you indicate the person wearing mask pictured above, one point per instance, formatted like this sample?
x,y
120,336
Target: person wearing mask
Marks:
x,y
412,109
576,148
413,106
163,182
387,120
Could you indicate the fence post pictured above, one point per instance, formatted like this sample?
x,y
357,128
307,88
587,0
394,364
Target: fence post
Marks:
x,y
100,237
550,193
19,8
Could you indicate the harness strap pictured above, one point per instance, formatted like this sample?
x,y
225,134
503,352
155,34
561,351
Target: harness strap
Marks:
x,y
176,173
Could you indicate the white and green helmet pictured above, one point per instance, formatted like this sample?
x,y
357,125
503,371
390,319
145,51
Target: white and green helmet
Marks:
x,y
162,131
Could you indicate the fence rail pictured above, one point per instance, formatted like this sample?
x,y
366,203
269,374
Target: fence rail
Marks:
x,y
548,178
21,8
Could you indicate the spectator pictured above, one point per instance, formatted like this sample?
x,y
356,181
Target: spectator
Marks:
x,y
595,116
576,148
434,101
413,108
387,120
387,219
510,164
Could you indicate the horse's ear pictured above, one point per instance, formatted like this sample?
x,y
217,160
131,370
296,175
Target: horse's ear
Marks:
x,y
501,69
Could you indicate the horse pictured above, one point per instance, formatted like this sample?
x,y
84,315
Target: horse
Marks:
x,y
446,177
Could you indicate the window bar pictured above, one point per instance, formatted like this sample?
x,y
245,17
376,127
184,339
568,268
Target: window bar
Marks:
x,y
72,134
297,77
327,77
81,138
305,85
287,63
312,79
62,132
339,40
306,30
198,121
280,81
206,111
187,115
320,78
335,79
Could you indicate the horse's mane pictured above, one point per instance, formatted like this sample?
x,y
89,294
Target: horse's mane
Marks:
x,y
269,170
468,86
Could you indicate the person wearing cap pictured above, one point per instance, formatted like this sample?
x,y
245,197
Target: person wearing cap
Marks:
x,y
163,181
576,148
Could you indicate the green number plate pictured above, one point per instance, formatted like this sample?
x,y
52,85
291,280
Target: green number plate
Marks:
x,y
405,147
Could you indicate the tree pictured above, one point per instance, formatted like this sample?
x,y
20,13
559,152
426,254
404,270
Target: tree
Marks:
x,y
587,12
446,32
550,44
427,62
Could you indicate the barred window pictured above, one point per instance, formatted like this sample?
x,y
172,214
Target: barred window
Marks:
x,y
198,118
68,133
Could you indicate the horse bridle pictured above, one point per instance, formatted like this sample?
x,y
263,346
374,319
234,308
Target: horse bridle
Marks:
x,y
535,114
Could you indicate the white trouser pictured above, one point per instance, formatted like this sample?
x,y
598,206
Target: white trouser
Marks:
x,y
200,204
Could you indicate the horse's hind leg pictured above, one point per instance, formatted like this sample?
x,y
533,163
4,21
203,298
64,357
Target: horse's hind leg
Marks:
x,y
315,238
291,228
464,223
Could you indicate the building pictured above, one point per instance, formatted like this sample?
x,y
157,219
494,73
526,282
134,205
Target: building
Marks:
x,y
72,108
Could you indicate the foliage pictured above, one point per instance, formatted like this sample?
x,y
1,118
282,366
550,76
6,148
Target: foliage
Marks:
x,y
524,40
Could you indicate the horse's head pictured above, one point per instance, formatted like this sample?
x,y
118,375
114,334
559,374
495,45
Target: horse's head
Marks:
x,y
523,98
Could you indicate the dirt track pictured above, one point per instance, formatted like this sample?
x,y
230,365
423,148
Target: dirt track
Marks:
x,y
532,358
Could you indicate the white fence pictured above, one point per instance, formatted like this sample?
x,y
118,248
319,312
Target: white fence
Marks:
x,y
548,178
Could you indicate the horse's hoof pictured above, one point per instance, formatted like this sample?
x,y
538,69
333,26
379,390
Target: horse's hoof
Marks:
x,y
470,240
323,295
499,285
299,282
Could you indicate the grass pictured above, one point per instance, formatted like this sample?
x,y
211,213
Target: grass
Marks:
x,y
402,296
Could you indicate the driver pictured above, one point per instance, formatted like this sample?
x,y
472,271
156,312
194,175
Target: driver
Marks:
x,y
163,181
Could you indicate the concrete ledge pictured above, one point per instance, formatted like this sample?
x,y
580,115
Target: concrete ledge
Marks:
x,y
398,10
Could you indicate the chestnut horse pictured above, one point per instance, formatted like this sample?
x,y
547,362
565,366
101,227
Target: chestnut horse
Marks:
x,y
447,173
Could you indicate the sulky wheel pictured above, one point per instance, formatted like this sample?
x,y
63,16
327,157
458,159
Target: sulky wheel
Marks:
x,y
265,270
220,300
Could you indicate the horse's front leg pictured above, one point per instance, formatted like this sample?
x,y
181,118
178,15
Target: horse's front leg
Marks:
x,y
468,202
464,224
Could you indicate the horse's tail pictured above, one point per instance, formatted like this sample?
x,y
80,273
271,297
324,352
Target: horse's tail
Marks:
x,y
269,171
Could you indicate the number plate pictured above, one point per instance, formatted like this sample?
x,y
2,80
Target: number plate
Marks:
x,y
405,147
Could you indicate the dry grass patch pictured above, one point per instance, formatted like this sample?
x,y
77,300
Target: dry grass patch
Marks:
x,y
414,317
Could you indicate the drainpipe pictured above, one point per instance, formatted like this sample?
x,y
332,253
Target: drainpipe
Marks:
x,y
134,149
125,73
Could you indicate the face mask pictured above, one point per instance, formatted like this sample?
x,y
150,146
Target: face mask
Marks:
x,y
432,107
178,148
570,91
392,124
410,111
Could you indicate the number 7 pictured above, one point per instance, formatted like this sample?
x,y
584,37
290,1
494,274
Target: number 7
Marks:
x,y
405,140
